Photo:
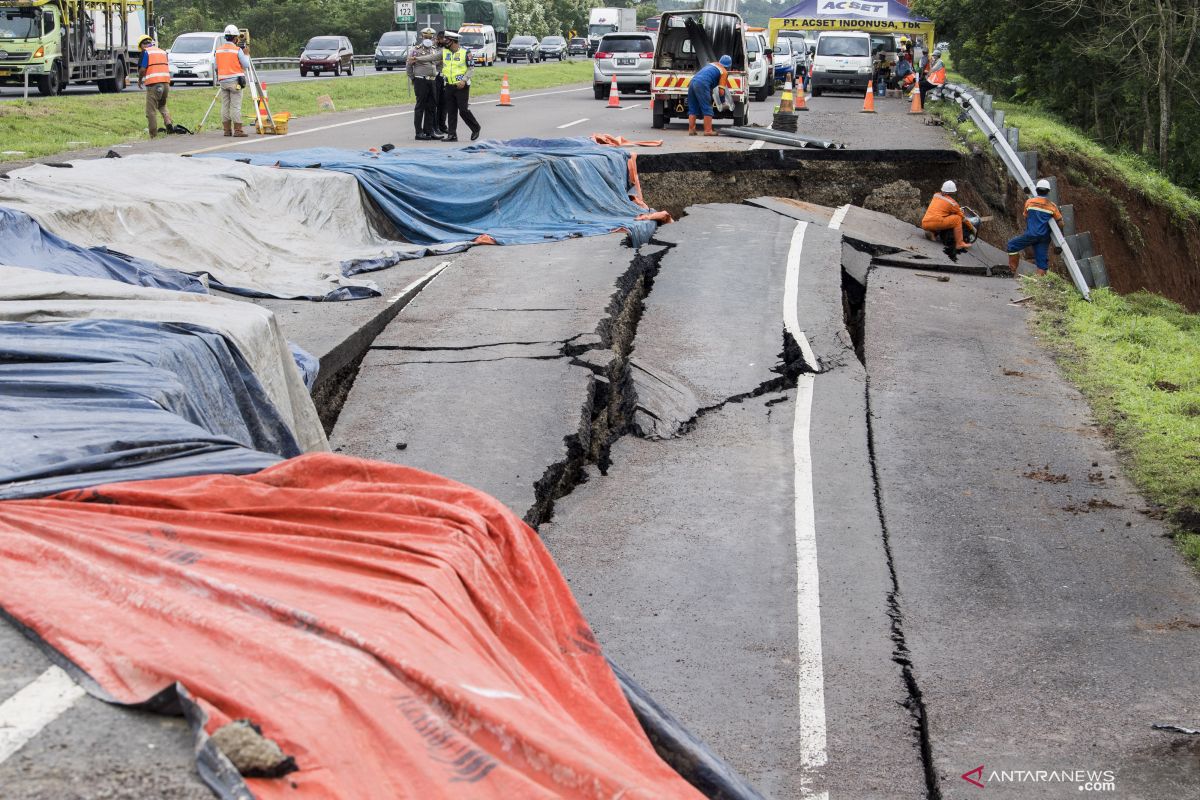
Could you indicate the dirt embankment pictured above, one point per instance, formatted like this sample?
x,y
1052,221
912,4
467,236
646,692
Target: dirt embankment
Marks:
x,y
1143,244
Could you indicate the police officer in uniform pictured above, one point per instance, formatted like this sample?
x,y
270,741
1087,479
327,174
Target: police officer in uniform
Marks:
x,y
424,67
457,71
439,90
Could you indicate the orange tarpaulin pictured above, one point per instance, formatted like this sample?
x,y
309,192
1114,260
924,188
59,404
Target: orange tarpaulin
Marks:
x,y
399,634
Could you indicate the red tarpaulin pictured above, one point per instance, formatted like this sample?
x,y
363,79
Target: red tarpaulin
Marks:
x,y
401,635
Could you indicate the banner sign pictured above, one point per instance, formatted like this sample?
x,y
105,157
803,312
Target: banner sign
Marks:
x,y
906,27
852,8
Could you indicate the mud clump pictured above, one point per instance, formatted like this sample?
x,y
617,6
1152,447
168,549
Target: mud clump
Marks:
x,y
254,755
1044,475
900,199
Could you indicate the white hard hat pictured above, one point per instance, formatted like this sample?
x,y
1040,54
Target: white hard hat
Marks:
x,y
231,30
1043,184
949,188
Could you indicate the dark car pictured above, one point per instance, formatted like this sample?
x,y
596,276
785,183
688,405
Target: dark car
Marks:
x,y
553,47
522,48
577,46
391,51
327,54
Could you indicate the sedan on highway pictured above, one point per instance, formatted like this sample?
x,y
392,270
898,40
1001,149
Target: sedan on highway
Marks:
x,y
327,54
522,48
629,56
553,47
391,51
787,58
192,58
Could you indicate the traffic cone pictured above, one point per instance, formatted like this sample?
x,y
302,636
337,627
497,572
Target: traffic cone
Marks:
x,y
869,101
916,108
614,96
505,98
786,105
259,125
800,105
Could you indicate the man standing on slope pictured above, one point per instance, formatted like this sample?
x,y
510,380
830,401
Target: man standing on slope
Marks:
x,y
1038,213
700,93
232,68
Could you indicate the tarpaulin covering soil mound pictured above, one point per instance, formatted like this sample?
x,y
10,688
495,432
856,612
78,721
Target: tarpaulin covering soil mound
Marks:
x,y
257,232
31,296
519,192
98,401
398,634
24,243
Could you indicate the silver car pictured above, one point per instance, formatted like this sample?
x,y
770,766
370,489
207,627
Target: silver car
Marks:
x,y
629,56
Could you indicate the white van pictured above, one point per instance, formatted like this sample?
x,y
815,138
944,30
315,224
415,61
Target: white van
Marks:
x,y
842,62
192,58
480,43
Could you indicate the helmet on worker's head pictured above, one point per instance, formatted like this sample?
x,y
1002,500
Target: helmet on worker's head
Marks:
x,y
949,187
1043,186
231,31
726,62
145,40
937,53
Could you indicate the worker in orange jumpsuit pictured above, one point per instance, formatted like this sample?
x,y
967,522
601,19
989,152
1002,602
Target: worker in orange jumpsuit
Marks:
x,y
945,214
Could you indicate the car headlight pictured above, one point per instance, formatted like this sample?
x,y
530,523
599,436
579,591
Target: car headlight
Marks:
x,y
864,70
378,53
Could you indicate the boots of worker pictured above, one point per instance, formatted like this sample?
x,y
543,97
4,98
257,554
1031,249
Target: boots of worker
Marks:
x,y
691,125
227,126
238,133
959,244
708,130
168,126
1014,261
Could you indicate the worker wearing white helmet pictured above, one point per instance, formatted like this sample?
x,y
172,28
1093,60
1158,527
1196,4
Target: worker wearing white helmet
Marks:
x,y
1039,211
945,214
232,68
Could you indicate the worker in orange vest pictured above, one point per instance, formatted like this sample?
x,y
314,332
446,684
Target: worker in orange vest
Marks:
x,y
945,214
232,68
1039,211
936,78
710,78
155,77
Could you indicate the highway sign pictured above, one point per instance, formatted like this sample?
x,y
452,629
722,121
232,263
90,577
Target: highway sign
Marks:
x,y
405,12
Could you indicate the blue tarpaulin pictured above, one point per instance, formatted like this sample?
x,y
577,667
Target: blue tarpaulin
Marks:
x,y
24,243
99,401
522,191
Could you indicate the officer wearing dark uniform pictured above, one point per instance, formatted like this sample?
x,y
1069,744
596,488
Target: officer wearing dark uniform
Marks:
x,y
424,66
457,70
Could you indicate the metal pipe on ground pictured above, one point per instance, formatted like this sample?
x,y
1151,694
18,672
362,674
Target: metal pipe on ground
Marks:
x,y
777,137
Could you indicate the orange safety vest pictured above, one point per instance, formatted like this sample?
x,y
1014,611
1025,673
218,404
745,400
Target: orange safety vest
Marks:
x,y
938,76
228,64
943,212
156,67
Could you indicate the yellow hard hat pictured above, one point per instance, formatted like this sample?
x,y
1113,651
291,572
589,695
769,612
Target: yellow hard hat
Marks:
x,y
145,39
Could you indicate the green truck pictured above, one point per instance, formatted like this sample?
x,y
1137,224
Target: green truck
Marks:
x,y
55,43
484,12
440,16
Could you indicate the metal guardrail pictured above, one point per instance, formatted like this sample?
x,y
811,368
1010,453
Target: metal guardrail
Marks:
x,y
966,98
278,62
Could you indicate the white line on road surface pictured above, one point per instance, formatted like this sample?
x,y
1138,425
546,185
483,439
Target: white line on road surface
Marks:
x,y
24,714
626,108
758,145
839,216
576,122
811,666
360,121
421,281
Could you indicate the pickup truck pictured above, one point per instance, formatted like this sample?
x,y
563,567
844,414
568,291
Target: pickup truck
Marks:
x,y
687,41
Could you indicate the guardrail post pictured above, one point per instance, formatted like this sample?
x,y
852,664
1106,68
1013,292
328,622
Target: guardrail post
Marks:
x,y
987,104
1098,271
1029,159
1068,225
26,98
1053,188
1081,245
1013,137
998,118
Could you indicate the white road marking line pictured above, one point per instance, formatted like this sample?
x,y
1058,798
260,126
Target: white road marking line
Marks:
x,y
23,715
758,145
359,122
791,296
811,670
635,105
428,276
839,217
576,122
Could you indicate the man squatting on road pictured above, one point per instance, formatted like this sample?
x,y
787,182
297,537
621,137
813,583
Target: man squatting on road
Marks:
x,y
1038,213
424,66
155,77
232,68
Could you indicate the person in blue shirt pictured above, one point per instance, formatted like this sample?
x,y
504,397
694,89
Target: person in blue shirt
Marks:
x,y
700,93
1038,213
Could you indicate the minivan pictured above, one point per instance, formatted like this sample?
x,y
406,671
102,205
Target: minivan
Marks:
x,y
327,54
480,43
192,58
842,62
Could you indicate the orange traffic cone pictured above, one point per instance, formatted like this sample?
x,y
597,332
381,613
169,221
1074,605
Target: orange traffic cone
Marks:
x,y
614,97
800,106
869,100
785,100
505,97
263,113
916,107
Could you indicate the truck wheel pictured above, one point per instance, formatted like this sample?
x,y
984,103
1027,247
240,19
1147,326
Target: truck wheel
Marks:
x,y
658,117
816,92
741,114
50,84
600,90
761,92
114,84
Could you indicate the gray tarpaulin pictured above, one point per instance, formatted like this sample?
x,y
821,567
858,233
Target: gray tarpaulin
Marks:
x,y
258,231
31,296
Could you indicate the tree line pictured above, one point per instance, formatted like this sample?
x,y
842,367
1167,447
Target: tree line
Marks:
x,y
1124,71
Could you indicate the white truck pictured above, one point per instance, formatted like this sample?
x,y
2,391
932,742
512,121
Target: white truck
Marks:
x,y
609,20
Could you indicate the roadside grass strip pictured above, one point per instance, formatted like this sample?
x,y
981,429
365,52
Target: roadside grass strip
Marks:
x,y
48,125
1137,360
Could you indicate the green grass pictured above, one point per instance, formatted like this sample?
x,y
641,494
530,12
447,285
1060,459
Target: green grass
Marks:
x,y
1137,360
44,126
